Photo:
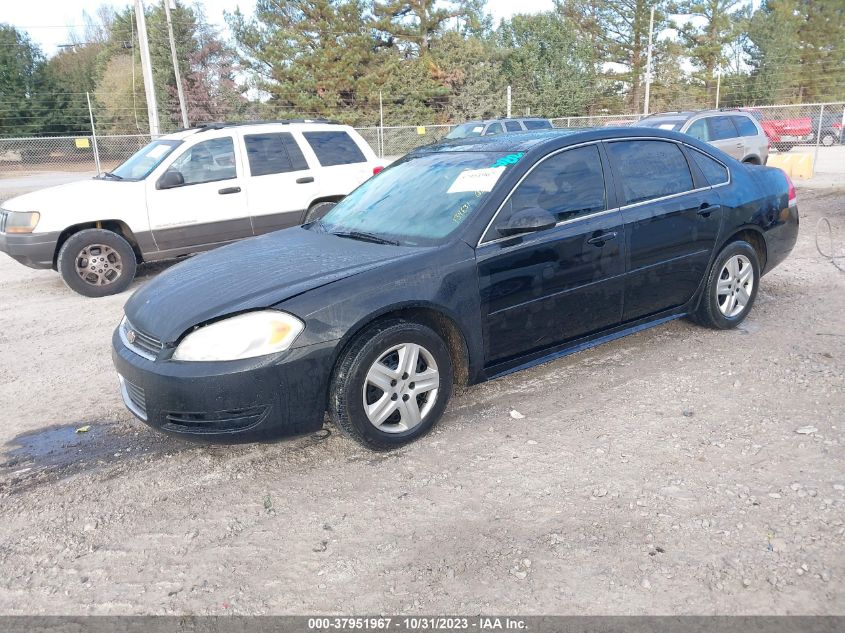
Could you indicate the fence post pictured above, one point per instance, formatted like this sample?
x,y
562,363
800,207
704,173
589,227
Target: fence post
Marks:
x,y
93,134
818,141
509,103
381,124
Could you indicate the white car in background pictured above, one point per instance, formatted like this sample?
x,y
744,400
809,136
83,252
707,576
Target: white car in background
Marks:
x,y
184,193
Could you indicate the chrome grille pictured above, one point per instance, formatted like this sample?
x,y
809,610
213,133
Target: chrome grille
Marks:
x,y
139,342
134,397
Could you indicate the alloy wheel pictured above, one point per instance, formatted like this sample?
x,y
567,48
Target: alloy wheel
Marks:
x,y
401,388
735,285
99,264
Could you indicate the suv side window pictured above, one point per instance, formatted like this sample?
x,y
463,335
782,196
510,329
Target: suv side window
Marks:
x,y
714,171
334,148
538,124
207,161
721,128
567,185
494,128
699,130
273,154
649,169
513,126
745,126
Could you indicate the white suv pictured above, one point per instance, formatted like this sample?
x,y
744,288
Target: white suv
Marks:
x,y
183,193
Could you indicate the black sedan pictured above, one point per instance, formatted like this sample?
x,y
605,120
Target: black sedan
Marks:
x,y
460,263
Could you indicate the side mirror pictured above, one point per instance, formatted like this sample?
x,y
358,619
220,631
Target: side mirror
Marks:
x,y
170,179
527,221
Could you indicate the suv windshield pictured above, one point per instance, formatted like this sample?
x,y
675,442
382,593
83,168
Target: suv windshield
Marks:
x,y
662,124
142,162
419,200
466,130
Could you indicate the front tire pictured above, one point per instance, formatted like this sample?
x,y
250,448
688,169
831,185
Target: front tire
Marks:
x,y
731,287
96,263
317,211
391,385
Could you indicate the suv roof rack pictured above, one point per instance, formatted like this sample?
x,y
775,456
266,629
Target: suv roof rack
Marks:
x,y
220,125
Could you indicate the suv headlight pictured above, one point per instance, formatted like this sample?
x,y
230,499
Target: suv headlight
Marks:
x,y
243,336
21,221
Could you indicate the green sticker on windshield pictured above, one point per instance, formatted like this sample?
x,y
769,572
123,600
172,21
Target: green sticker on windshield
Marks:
x,y
510,159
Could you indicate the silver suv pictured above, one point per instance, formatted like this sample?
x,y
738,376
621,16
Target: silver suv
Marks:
x,y
736,133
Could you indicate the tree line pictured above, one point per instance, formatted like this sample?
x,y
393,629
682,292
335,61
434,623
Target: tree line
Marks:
x,y
426,61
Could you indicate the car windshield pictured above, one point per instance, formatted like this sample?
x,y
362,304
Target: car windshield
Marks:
x,y
466,130
142,162
420,199
662,124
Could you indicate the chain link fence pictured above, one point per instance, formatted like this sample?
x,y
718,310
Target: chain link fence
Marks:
x,y
787,126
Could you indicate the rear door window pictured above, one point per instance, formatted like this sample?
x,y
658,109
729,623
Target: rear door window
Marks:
x,y
745,126
273,154
714,171
513,126
649,169
721,128
334,148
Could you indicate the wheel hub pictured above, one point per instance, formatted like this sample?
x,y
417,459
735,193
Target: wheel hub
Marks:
x,y
99,264
735,285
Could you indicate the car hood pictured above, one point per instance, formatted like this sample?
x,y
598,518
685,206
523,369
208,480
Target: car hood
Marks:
x,y
248,275
91,194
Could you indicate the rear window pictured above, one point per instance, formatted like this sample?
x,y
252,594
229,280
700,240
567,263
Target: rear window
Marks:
x,y
745,126
649,169
273,154
334,148
537,124
714,171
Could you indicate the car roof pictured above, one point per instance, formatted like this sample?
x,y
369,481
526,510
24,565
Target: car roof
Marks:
x,y
501,120
559,137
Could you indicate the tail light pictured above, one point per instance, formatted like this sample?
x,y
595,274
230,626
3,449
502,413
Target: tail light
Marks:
x,y
793,197
377,169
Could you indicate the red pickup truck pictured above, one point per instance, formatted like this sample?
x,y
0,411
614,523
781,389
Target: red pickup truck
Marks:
x,y
784,134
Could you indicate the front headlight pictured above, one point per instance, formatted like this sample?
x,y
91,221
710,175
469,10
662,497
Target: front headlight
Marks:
x,y
21,221
243,336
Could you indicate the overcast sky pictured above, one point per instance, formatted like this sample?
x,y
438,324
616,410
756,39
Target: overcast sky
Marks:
x,y
48,21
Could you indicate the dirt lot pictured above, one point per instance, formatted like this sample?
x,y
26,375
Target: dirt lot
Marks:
x,y
664,473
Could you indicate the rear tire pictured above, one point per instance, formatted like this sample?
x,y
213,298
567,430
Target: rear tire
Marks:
x,y
731,287
96,263
317,211
391,385
828,139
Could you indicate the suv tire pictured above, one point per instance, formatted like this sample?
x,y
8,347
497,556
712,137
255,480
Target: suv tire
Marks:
x,y
96,263
391,384
317,211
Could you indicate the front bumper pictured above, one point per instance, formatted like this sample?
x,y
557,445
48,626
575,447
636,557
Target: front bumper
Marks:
x,y
231,401
35,250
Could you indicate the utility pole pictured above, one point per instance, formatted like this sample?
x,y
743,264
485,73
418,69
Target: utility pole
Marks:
x,y
380,126
509,102
147,70
718,84
648,63
176,72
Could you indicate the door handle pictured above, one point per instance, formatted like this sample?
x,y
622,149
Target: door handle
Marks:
x,y
706,209
304,179
599,240
226,190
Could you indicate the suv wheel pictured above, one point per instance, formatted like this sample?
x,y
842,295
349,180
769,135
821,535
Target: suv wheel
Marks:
x,y
391,385
828,139
731,287
96,263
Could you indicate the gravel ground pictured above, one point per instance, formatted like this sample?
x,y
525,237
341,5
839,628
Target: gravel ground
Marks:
x,y
679,470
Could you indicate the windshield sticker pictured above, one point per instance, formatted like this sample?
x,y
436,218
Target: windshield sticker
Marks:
x,y
510,159
158,151
476,180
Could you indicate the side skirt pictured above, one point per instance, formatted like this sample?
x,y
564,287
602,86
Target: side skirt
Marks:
x,y
579,345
